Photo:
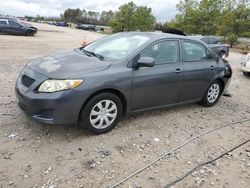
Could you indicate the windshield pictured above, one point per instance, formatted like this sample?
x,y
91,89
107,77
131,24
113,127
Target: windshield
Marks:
x,y
117,46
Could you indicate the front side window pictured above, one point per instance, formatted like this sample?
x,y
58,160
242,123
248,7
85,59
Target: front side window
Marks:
x,y
205,39
193,51
14,24
117,46
163,52
213,40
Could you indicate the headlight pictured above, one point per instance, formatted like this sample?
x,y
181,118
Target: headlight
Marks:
x,y
50,86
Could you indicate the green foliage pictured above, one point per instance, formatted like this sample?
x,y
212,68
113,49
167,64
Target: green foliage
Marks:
x,y
245,34
227,18
231,39
72,15
131,17
39,18
123,19
143,20
87,17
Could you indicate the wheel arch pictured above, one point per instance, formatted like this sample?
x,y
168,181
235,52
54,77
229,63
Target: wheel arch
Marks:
x,y
221,82
109,90
29,31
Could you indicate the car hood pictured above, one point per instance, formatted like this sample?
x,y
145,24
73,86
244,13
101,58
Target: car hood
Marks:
x,y
27,24
72,64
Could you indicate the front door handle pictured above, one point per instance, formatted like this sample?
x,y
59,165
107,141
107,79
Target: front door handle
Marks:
x,y
177,71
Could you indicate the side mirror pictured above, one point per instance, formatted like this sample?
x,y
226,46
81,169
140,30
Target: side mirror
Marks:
x,y
146,62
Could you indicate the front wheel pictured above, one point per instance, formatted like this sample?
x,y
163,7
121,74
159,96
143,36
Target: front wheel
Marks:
x,y
212,94
101,113
246,73
30,33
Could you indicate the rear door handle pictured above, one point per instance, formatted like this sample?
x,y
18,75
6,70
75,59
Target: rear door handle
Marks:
x,y
177,71
212,67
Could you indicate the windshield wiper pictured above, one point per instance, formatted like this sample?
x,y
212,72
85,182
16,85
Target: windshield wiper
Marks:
x,y
93,54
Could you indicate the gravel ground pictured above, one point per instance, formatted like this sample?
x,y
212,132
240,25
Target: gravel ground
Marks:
x,y
35,155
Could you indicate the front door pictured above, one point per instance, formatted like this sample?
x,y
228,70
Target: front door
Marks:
x,y
161,84
15,28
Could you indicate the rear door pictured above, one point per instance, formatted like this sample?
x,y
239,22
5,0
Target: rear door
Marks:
x,y
199,70
161,84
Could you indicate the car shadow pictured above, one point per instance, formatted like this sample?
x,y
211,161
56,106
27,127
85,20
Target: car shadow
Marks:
x,y
75,131
10,34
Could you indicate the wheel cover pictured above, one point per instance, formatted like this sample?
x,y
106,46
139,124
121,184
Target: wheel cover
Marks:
x,y
213,93
103,114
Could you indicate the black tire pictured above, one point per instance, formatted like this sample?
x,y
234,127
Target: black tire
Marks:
x,y
30,33
85,115
205,100
246,74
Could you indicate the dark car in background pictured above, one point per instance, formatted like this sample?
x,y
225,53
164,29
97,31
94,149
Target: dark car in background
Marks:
x,y
214,43
15,27
95,85
62,24
85,27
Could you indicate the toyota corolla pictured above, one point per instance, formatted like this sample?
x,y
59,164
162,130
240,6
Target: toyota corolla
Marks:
x,y
95,85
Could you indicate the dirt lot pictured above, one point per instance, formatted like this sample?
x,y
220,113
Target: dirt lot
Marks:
x,y
35,155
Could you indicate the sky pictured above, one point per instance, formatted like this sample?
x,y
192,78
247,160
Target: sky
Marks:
x,y
163,10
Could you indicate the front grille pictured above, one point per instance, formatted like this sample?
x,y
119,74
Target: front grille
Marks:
x,y
27,81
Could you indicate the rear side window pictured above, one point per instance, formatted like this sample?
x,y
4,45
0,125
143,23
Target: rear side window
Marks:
x,y
205,39
163,52
213,40
14,24
193,51
2,22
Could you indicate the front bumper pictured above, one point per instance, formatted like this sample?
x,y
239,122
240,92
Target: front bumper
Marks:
x,y
61,107
245,69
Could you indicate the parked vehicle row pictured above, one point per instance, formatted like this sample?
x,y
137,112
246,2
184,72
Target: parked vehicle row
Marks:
x,y
85,27
120,74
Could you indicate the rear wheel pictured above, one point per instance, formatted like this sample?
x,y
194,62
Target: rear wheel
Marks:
x,y
101,113
212,94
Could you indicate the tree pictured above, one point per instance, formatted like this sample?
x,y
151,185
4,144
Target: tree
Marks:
x,y
187,20
93,17
72,15
106,17
234,19
123,19
131,17
199,16
231,39
229,19
142,19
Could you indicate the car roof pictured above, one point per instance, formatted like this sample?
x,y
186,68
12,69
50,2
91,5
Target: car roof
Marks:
x,y
202,36
156,35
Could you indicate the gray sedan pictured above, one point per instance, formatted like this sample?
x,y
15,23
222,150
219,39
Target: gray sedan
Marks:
x,y
95,85
16,27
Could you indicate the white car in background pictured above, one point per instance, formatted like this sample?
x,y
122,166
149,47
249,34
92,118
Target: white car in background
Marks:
x,y
245,65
